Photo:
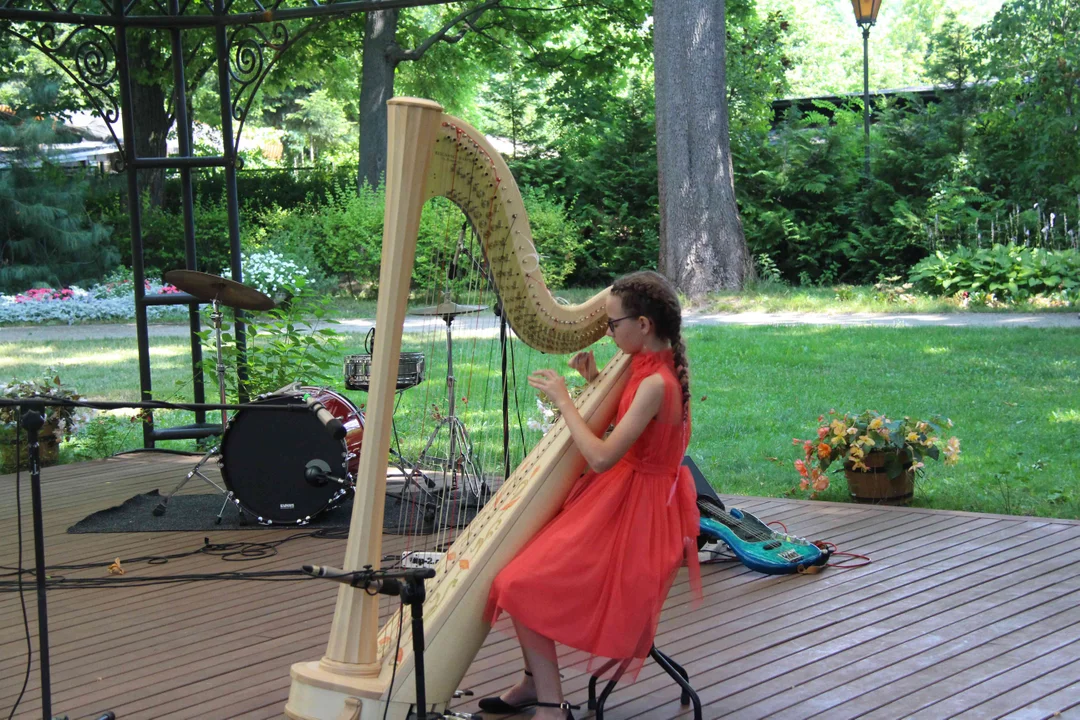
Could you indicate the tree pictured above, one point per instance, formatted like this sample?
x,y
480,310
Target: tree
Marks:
x,y
45,235
548,35
382,55
702,246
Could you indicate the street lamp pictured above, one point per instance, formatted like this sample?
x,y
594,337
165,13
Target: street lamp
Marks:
x,y
865,16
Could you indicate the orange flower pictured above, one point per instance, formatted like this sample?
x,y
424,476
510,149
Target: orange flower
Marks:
x,y
822,432
801,467
824,451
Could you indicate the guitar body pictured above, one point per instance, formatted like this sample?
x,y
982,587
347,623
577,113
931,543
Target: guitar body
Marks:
x,y
755,544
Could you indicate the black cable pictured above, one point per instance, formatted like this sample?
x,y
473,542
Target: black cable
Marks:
x,y
22,595
228,552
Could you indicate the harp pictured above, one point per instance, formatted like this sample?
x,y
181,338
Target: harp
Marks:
x,y
431,154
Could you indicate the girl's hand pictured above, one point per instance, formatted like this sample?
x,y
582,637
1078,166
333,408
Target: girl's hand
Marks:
x,y
585,363
553,385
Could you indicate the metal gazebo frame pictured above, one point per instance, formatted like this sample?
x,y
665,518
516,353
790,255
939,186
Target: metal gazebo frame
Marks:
x,y
99,63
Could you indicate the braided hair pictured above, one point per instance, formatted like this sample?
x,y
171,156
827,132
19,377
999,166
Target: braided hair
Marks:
x,y
650,294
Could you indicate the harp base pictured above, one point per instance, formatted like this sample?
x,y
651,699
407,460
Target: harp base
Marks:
x,y
318,694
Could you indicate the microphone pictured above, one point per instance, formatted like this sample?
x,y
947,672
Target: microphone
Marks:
x,y
317,473
327,418
357,579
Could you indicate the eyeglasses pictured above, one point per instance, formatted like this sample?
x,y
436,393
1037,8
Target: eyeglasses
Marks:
x,y
612,323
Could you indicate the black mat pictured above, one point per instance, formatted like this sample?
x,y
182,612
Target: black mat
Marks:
x,y
199,513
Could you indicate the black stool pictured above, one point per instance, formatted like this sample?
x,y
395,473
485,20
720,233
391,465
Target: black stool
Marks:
x,y
671,667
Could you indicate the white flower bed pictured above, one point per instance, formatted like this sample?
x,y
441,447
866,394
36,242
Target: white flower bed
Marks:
x,y
81,306
270,272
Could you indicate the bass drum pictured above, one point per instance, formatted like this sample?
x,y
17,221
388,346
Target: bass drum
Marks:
x,y
265,455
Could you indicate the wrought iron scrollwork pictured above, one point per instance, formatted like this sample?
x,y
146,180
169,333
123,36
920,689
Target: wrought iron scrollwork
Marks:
x,y
254,52
88,56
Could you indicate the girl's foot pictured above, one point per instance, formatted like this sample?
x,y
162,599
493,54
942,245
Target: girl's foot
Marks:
x,y
519,697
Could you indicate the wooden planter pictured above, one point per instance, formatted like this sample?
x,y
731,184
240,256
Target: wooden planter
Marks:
x,y
875,486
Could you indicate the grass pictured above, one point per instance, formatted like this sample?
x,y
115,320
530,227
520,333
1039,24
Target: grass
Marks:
x,y
1013,393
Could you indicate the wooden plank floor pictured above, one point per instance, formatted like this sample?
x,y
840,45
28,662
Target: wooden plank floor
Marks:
x,y
959,615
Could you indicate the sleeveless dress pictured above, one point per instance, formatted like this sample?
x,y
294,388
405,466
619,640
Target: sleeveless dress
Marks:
x,y
596,576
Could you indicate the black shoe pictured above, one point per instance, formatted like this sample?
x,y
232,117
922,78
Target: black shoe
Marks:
x,y
498,706
564,705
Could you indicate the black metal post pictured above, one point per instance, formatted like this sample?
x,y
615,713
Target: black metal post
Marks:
x,y
32,420
183,135
866,92
142,332
221,41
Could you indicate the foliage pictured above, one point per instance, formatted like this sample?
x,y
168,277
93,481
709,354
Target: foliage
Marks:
x,y
1013,273
63,420
45,234
285,344
852,437
1031,95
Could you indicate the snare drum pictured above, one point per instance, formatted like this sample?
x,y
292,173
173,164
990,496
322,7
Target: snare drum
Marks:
x,y
265,455
358,371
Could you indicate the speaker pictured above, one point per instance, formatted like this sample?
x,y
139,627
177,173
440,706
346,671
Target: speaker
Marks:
x,y
702,485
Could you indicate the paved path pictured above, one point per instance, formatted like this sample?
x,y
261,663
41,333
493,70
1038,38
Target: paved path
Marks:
x,y
487,324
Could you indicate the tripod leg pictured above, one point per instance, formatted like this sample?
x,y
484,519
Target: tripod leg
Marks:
x,y
161,507
228,497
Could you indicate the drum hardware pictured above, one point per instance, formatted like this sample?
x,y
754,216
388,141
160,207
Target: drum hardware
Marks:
x,y
455,463
217,291
357,370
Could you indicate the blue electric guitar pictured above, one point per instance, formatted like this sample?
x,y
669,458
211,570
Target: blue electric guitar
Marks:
x,y
755,543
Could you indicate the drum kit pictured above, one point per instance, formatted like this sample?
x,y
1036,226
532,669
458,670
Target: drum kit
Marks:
x,y
279,464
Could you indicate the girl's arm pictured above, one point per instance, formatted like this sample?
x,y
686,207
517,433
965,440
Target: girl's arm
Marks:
x,y
602,453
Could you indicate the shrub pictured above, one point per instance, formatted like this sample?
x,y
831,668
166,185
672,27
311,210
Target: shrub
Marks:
x,y
1009,272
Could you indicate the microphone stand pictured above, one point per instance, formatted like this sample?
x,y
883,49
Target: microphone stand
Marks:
x,y
407,583
32,420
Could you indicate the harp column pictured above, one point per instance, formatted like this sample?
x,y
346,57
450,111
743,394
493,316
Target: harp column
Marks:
x,y
350,669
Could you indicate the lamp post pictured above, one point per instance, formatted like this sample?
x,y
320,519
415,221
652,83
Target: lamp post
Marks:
x,y
866,12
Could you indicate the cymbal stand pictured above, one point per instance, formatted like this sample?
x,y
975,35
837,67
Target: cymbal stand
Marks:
x,y
216,317
455,462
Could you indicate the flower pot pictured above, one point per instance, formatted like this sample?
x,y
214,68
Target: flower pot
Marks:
x,y
48,448
875,485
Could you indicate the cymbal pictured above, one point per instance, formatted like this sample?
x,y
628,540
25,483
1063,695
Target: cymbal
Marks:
x,y
207,288
447,309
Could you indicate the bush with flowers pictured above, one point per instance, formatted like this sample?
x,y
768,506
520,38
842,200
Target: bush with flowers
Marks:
x,y
271,272
112,299
851,438
62,422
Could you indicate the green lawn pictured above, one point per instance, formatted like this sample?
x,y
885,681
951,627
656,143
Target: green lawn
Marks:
x,y
1014,395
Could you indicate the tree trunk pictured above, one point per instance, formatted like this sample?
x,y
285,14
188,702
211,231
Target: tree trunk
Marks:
x,y
376,87
150,115
702,246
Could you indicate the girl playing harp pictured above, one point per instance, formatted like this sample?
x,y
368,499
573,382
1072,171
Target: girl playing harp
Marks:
x,y
596,576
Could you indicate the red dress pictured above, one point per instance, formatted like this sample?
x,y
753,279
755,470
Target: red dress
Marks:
x,y
596,576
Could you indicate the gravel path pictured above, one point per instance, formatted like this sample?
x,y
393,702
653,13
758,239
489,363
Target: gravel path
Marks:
x,y
466,326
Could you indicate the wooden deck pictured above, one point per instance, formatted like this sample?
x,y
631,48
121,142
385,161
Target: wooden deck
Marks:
x,y
960,615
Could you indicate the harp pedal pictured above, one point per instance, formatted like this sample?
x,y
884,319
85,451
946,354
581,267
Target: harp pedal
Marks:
x,y
463,716
420,559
